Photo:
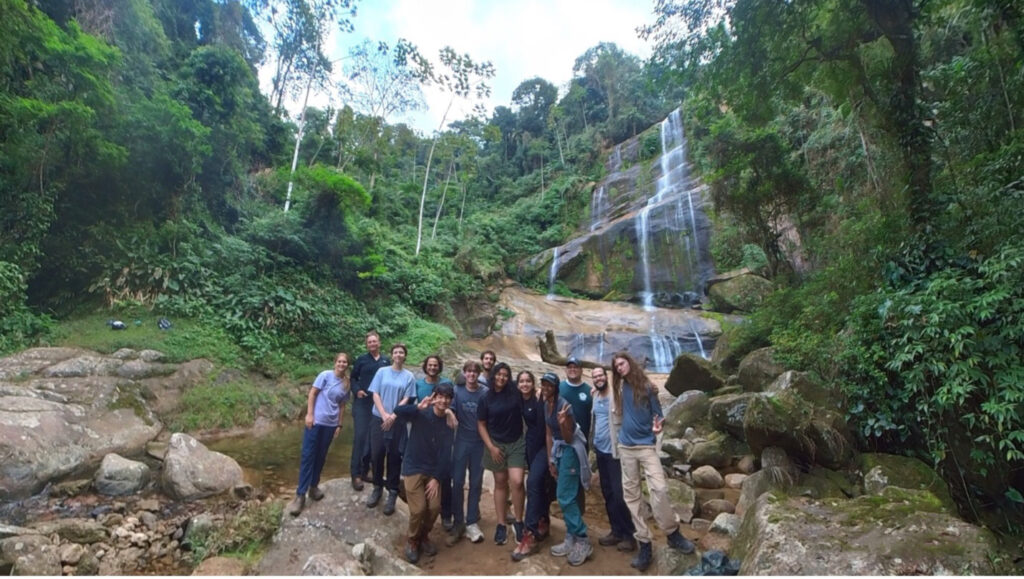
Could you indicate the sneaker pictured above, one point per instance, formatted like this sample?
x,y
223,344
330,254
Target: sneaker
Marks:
x,y
677,541
562,549
526,547
428,547
609,540
357,483
474,534
517,529
581,551
295,507
389,505
447,523
643,558
458,529
315,493
412,551
375,496
627,545
500,535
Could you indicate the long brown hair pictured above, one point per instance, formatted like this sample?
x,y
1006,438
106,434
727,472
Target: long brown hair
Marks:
x,y
637,378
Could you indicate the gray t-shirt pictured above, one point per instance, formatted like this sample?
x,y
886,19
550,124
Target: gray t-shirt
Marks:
x,y
465,405
333,393
392,385
602,429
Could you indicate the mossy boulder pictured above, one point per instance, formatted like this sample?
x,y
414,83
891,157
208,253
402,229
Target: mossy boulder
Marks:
x,y
718,450
724,355
726,412
758,370
900,532
683,499
822,483
809,389
743,293
882,471
689,410
691,372
813,435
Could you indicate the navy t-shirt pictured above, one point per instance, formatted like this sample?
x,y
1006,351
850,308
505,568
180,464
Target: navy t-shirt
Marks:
x,y
503,415
429,443
533,417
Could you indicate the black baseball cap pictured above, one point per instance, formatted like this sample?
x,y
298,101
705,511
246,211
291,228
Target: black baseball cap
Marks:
x,y
550,377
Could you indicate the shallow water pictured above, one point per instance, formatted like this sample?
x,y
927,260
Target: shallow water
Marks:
x,y
271,460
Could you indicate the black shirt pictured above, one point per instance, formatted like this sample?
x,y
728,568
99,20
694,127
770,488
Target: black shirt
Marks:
x,y
503,414
363,371
533,416
429,443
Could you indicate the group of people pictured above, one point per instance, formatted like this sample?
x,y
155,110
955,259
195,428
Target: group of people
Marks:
x,y
434,437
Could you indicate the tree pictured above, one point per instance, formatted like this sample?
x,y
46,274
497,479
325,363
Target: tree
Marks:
x,y
535,97
462,78
378,83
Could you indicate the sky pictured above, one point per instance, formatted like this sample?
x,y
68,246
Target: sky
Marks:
x,y
522,38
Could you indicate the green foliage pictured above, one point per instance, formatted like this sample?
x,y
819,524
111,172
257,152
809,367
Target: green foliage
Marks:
x,y
244,535
19,326
424,338
231,404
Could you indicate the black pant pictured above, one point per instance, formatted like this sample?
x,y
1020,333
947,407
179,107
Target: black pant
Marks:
x,y
386,448
611,487
362,412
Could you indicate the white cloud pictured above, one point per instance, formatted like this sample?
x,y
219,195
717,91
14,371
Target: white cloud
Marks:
x,y
522,38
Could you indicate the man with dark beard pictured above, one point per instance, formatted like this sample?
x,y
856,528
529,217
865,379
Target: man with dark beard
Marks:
x,y
610,469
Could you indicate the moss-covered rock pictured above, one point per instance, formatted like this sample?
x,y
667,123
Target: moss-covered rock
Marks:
x,y
897,533
718,450
724,355
810,434
742,293
691,372
689,410
727,412
759,369
882,471
683,499
809,389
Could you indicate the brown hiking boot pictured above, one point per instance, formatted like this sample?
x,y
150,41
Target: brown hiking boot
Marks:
x,y
315,493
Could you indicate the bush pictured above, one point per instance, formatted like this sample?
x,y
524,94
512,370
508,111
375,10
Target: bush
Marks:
x,y
243,536
210,406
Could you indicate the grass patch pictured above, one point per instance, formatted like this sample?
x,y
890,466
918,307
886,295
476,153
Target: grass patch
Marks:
x,y
243,537
424,338
186,340
234,404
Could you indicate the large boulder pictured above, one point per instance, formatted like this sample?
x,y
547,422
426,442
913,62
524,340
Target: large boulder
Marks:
x,y
727,412
683,499
808,388
690,410
811,434
692,372
119,476
743,293
61,411
334,532
29,555
192,471
897,533
758,369
718,450
889,470
724,355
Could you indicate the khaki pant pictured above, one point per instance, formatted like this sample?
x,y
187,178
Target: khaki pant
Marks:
x,y
422,512
633,459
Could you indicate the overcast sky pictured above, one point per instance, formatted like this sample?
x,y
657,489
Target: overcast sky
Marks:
x,y
522,38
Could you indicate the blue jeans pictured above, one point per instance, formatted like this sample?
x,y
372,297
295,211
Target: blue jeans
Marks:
x,y
315,443
468,454
619,518
569,491
538,503
362,411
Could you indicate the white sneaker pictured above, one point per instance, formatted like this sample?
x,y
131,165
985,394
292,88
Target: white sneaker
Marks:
x,y
474,534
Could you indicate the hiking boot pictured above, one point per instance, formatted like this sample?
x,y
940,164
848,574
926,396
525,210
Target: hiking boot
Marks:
x,y
500,535
375,496
643,558
526,547
428,547
455,535
315,493
412,551
357,483
627,545
389,505
474,534
447,523
295,507
517,529
562,549
543,529
609,540
581,551
677,541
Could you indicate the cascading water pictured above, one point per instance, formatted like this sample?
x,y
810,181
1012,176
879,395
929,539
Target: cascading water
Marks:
x,y
598,207
553,274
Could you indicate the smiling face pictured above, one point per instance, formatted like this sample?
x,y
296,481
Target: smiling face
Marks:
x,y
526,385
398,354
471,375
341,364
441,404
573,373
548,390
433,367
502,378
599,378
487,361
373,344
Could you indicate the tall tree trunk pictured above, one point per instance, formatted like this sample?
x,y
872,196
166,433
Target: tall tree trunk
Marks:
x,y
298,141
426,176
444,194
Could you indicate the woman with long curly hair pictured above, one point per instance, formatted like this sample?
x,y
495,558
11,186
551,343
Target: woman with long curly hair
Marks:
x,y
636,419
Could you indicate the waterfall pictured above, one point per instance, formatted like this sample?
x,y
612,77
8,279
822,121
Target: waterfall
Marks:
x,y
642,231
665,350
553,274
700,344
598,207
600,350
